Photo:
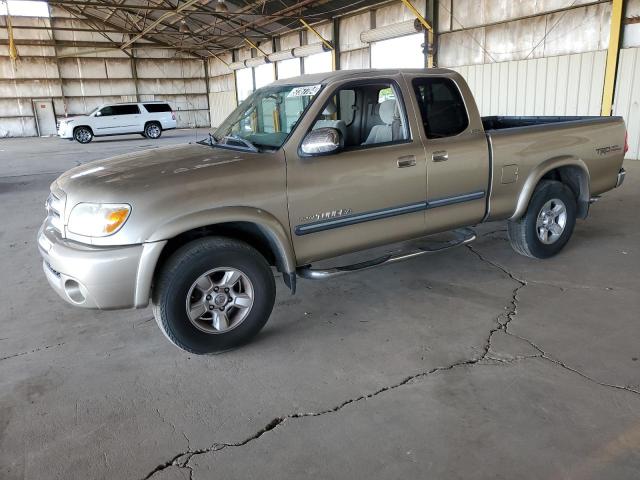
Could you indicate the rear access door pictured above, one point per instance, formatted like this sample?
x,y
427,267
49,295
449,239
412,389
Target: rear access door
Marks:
x,y
457,152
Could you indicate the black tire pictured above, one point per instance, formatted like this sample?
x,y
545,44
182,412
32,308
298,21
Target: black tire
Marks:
x,y
82,134
152,130
524,234
188,263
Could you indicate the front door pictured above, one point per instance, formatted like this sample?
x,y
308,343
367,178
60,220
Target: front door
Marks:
x,y
370,193
107,123
457,155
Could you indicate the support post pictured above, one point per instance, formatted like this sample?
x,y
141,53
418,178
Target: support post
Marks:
x,y
325,42
427,27
617,10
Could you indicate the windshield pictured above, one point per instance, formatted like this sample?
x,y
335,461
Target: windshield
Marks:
x,y
93,111
266,117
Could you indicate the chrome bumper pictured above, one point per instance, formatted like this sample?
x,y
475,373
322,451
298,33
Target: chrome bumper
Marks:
x,y
621,174
94,277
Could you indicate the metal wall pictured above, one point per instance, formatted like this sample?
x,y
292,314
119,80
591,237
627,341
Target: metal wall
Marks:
x,y
77,81
542,58
627,97
562,85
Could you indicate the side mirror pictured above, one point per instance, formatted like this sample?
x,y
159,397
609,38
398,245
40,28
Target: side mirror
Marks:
x,y
98,114
322,141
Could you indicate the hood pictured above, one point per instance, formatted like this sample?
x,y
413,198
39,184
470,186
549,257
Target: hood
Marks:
x,y
148,169
163,185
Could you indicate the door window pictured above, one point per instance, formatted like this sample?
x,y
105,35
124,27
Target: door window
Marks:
x,y
124,109
441,106
366,115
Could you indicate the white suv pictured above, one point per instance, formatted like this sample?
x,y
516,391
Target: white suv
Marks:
x,y
146,118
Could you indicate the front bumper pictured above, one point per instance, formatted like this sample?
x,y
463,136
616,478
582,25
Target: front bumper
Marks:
x,y
89,276
65,130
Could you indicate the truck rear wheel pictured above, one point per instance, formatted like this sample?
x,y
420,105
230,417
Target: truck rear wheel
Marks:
x,y
213,294
548,222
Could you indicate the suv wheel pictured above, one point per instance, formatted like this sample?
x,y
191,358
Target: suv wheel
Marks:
x,y
83,135
152,130
213,294
548,222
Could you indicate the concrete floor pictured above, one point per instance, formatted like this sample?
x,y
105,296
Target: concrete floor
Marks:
x,y
476,363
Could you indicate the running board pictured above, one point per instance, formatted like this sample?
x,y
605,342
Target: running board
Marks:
x,y
462,236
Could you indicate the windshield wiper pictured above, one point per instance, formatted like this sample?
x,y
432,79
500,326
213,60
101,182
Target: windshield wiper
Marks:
x,y
210,140
233,141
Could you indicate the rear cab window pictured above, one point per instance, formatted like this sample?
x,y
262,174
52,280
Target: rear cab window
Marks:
x,y
442,107
157,107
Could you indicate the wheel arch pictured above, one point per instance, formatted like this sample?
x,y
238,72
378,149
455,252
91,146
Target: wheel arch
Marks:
x,y
572,171
256,227
83,126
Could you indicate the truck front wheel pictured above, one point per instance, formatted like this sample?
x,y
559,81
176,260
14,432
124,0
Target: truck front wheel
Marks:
x,y
548,222
213,294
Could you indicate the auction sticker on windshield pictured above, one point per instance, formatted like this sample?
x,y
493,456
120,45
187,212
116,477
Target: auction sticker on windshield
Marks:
x,y
306,91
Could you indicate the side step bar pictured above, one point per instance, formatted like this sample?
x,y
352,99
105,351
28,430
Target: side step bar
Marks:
x,y
462,236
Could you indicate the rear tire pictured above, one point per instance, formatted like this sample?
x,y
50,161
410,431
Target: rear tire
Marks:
x,y
83,135
152,130
213,294
548,223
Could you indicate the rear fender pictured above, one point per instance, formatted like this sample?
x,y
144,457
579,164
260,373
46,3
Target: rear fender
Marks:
x,y
572,167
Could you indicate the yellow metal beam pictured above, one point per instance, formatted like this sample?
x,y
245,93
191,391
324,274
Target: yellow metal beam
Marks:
x,y
418,15
617,9
427,27
253,45
325,42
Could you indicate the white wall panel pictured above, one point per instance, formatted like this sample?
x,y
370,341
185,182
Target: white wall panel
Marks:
x,y
564,85
221,105
627,97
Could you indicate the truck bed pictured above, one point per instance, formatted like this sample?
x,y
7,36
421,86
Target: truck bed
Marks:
x,y
500,122
518,146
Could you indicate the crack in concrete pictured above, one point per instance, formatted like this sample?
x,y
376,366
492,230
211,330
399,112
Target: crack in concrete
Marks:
x,y
183,459
542,354
28,352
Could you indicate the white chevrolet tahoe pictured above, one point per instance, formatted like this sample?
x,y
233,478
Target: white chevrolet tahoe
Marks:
x,y
148,119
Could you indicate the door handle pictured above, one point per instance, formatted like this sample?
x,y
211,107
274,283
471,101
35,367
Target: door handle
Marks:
x,y
407,161
440,156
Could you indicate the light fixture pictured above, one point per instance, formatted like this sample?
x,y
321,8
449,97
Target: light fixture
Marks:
x,y
221,6
184,28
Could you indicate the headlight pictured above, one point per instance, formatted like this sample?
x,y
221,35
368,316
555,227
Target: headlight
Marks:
x,y
98,219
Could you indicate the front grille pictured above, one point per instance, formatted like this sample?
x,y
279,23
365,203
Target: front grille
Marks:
x,y
55,209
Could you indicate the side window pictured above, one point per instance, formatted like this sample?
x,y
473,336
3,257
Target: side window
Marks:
x,y
441,106
106,111
125,109
157,107
367,115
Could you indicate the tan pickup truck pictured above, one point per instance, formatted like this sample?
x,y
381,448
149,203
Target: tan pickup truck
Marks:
x,y
309,169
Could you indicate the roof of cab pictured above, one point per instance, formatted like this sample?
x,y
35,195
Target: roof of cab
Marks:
x,y
346,74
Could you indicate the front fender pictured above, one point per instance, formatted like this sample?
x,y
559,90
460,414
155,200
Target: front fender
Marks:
x,y
267,223
536,174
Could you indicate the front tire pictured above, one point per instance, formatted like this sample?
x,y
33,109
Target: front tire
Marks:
x,y
548,223
83,135
152,130
213,294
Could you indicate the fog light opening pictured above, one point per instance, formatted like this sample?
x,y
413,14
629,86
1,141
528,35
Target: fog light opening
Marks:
x,y
74,291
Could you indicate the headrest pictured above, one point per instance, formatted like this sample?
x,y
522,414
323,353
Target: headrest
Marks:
x,y
330,109
387,111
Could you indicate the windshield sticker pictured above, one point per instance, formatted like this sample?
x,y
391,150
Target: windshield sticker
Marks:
x,y
306,91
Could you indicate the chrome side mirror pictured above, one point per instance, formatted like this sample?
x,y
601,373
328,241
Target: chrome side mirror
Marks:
x,y
322,141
